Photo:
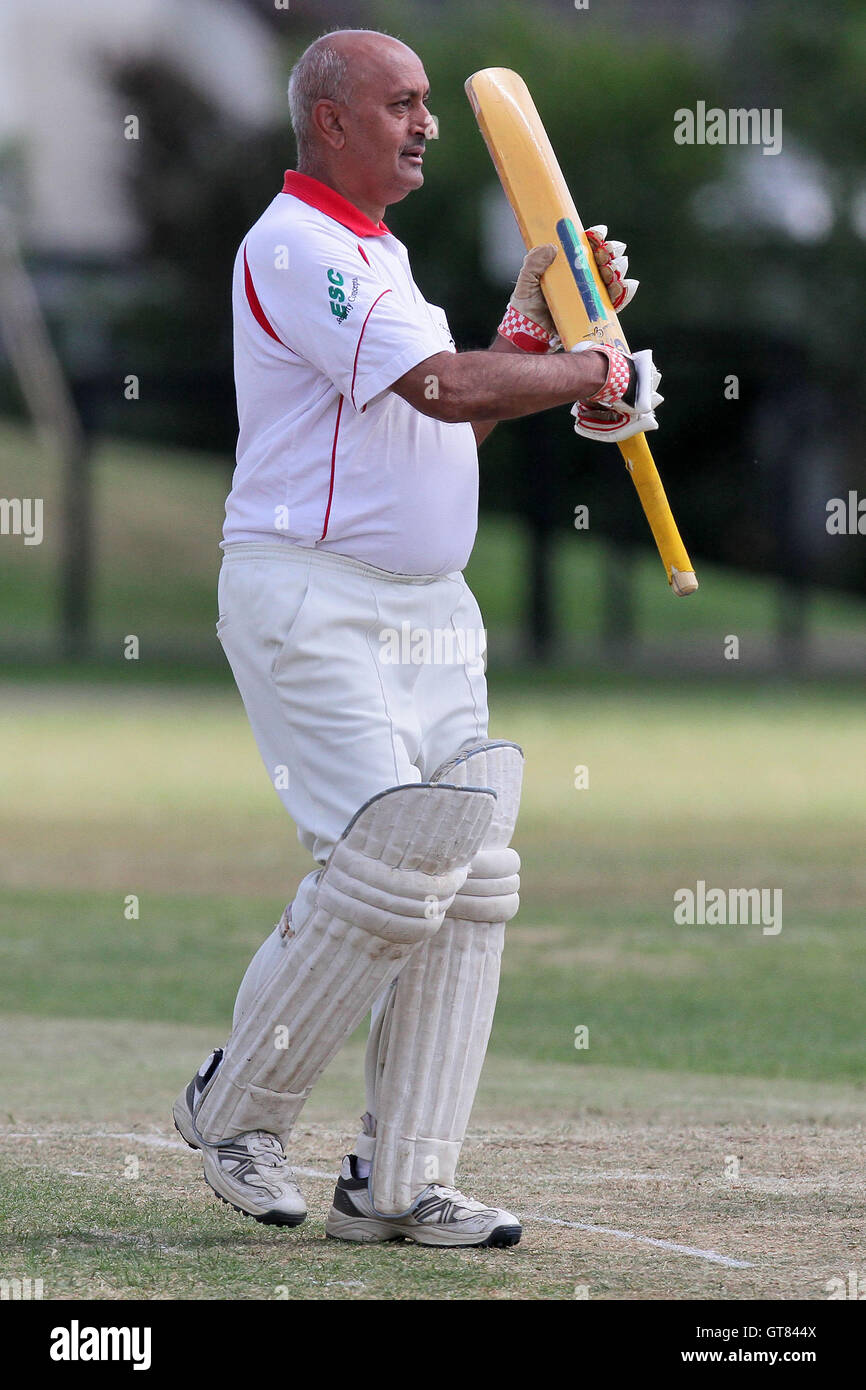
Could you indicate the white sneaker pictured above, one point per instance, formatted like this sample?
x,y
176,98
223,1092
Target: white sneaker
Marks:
x,y
441,1216
251,1171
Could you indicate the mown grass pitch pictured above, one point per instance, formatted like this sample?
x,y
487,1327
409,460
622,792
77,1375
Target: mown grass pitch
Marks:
x,y
707,1044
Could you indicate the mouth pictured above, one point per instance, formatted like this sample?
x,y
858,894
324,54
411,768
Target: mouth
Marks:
x,y
415,155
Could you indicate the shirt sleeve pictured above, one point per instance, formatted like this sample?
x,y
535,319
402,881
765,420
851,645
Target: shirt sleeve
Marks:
x,y
328,306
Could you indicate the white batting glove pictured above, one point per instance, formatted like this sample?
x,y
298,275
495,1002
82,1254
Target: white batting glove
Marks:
x,y
527,322
626,403
612,262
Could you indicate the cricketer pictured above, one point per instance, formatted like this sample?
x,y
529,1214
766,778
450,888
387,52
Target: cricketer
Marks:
x,y
351,517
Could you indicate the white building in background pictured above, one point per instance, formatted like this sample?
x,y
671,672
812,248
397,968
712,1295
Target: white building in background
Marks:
x,y
59,117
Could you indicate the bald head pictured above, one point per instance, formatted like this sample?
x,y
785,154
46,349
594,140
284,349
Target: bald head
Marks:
x,y
335,67
357,100
362,45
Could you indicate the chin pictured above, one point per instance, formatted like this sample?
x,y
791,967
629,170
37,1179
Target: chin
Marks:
x,y
405,186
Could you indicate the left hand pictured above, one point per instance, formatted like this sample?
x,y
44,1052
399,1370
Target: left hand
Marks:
x,y
612,262
528,323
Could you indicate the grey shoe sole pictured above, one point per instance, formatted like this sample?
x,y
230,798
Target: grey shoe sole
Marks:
x,y
364,1230
270,1218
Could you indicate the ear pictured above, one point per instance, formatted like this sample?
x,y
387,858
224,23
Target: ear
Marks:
x,y
326,119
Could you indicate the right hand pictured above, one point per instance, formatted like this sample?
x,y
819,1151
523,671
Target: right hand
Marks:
x,y
626,403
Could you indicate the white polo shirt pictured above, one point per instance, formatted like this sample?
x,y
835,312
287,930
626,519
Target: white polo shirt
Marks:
x,y
326,318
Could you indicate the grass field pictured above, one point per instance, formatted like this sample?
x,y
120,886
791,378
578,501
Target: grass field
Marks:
x,y
165,593
707,1044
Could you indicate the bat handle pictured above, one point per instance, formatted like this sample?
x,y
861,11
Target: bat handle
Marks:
x,y
644,474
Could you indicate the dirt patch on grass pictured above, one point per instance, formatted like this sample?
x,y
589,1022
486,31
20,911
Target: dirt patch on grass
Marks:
x,y
621,1211
631,1183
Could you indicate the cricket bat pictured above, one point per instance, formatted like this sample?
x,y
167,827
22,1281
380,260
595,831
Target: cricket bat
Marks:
x,y
575,292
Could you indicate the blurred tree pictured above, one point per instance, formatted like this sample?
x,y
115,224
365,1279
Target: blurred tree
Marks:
x,y
201,180
726,292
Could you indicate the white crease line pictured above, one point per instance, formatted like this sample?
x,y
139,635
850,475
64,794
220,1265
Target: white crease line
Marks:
x,y
710,1255
156,1141
153,1141
617,1176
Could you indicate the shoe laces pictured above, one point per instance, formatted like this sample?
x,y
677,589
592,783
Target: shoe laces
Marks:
x,y
453,1194
265,1149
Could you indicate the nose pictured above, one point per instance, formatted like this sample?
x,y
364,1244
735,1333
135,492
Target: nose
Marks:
x,y
420,113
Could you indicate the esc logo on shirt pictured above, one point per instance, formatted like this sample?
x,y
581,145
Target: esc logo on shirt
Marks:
x,y
338,298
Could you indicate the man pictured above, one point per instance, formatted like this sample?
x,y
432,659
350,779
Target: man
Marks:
x,y
351,517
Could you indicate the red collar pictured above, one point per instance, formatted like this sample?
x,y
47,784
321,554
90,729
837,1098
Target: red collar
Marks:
x,y
331,203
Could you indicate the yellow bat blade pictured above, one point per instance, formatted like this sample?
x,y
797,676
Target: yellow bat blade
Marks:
x,y
573,287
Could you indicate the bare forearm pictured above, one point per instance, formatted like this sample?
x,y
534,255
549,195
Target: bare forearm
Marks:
x,y
500,384
483,428
497,385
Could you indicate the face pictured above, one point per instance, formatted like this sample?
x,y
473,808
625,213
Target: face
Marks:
x,y
384,126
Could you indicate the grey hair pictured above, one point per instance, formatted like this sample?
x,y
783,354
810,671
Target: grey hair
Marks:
x,y
321,73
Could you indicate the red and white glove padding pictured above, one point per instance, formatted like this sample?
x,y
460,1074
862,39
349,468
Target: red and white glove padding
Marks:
x,y
626,403
612,262
527,322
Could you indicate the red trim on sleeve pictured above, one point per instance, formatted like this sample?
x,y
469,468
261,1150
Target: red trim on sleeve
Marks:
x,y
361,339
333,468
253,301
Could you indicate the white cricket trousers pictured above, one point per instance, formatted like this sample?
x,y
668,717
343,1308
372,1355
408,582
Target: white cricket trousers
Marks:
x,y
353,679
